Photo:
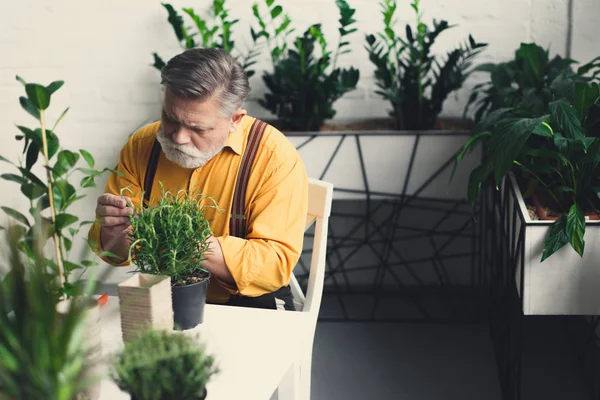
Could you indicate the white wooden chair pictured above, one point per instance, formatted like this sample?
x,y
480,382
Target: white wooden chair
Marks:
x,y
320,195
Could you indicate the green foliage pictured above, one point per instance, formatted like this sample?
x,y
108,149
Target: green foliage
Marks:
x,y
304,84
213,31
171,238
529,81
409,76
555,151
59,164
41,353
161,365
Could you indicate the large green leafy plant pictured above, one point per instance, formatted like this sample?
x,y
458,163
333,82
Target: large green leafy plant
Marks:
x,y
305,81
526,82
41,353
415,81
170,238
555,156
213,31
160,365
50,197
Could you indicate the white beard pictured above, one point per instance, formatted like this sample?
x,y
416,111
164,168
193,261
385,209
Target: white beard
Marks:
x,y
186,156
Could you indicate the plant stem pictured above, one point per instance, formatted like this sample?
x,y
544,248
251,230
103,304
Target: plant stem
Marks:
x,y
57,245
541,181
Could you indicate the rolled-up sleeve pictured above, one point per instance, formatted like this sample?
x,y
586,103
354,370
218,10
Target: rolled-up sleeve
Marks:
x,y
263,261
128,178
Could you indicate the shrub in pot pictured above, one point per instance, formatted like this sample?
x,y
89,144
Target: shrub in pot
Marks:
x,y
212,31
170,239
529,81
305,81
160,365
406,73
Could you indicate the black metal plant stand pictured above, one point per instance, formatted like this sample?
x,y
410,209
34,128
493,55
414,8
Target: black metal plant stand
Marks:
x,y
502,254
414,246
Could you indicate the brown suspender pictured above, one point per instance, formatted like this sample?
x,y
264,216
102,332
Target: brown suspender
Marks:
x,y
237,222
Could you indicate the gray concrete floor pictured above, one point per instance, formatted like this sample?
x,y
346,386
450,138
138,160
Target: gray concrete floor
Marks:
x,y
400,361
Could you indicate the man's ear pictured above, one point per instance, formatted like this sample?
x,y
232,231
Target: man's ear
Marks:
x,y
237,118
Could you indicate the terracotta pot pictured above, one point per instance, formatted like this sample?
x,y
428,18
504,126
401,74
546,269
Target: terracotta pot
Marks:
x,y
145,302
93,368
541,212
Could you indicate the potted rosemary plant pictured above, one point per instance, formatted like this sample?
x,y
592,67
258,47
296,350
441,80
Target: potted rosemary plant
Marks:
x,y
159,365
170,239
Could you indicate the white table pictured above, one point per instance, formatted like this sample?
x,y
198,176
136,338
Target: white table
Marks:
x,y
254,349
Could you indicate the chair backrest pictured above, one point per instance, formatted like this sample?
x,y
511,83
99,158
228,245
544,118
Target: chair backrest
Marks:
x,y
320,195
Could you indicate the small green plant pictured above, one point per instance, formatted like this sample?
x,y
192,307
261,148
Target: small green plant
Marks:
x,y
41,353
160,365
304,86
170,238
54,193
409,76
529,81
215,31
555,155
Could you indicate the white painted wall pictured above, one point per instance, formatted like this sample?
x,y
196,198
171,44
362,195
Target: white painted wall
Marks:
x,y
102,49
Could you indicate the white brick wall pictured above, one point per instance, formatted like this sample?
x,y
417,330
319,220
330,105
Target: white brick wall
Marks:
x,y
103,51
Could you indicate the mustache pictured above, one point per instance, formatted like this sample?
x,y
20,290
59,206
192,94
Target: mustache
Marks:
x,y
166,141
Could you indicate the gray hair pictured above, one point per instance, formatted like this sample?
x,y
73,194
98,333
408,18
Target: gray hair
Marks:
x,y
204,73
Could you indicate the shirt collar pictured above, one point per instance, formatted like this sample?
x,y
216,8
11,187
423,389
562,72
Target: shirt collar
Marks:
x,y
236,139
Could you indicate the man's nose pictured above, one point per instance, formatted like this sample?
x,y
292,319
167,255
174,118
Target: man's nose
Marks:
x,y
180,136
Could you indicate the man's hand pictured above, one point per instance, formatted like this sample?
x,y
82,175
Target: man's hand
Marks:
x,y
113,214
215,262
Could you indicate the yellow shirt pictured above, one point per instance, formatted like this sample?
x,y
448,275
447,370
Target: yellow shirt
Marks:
x,y
275,204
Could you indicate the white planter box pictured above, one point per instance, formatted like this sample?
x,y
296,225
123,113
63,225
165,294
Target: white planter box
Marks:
x,y
565,283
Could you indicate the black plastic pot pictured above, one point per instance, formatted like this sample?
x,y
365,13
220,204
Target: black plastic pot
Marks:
x,y
199,398
188,304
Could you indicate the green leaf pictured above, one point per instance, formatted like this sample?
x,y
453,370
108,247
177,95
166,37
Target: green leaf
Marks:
x,y
566,118
64,220
29,107
14,178
476,179
269,2
575,228
88,158
89,263
87,182
60,118
21,80
16,215
159,64
507,143
556,239
276,11
39,95
33,153
66,160
54,86
32,191
586,95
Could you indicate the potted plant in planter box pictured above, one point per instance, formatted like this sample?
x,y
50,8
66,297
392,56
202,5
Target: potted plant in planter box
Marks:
x,y
158,365
170,239
552,162
525,82
414,81
215,31
306,80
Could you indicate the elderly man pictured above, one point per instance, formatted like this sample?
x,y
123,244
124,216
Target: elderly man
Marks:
x,y
201,143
